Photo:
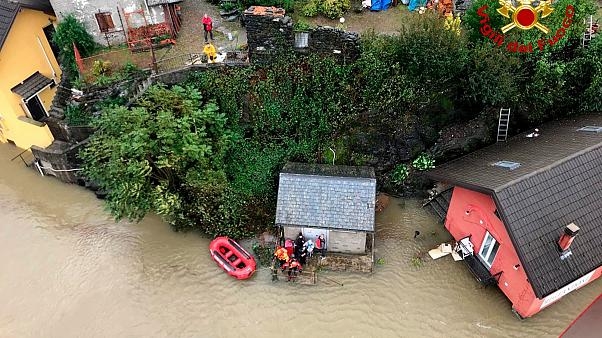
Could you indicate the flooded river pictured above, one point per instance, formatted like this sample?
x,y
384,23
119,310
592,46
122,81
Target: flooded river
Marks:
x,y
67,270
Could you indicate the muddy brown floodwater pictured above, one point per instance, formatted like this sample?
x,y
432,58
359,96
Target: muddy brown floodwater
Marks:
x,y
67,270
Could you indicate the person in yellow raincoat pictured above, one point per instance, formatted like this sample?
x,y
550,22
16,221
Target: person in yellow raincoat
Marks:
x,y
209,50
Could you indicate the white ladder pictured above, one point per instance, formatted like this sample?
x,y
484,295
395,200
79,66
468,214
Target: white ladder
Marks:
x,y
502,127
587,35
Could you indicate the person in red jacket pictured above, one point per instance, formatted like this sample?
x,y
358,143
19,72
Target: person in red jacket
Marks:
x,y
208,26
321,245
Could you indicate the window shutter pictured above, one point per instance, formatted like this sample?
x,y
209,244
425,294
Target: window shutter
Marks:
x,y
301,39
109,21
105,21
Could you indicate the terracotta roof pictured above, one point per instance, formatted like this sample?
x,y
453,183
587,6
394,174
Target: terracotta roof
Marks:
x,y
262,10
9,10
325,196
30,86
558,182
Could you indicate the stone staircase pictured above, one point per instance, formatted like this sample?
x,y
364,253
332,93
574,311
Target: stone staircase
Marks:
x,y
60,158
439,203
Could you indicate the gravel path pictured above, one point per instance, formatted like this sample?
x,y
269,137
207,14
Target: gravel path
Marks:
x,y
190,38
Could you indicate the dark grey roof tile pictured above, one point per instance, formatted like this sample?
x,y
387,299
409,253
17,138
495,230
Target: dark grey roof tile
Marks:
x,y
32,85
340,202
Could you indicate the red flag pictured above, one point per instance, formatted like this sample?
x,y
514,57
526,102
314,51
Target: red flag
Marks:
x,y
78,59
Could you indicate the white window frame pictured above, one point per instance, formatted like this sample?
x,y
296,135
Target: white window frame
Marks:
x,y
26,109
486,255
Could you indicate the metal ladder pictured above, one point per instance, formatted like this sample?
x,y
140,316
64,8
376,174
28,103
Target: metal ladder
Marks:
x,y
502,127
587,35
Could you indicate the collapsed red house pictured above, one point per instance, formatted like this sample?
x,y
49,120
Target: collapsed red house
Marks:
x,y
527,213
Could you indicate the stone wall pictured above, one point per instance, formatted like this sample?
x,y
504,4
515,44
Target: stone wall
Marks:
x,y
270,32
59,160
336,42
181,75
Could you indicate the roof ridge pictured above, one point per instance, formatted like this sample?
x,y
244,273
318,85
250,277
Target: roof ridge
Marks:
x,y
548,167
329,176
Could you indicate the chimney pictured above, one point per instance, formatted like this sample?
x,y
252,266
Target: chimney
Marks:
x,y
570,231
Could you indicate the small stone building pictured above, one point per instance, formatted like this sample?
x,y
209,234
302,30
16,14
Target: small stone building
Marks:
x,y
337,201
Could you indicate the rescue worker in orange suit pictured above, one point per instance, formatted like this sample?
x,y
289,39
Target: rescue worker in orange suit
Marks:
x,y
281,255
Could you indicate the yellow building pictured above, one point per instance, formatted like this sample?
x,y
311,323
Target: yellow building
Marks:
x,y
29,72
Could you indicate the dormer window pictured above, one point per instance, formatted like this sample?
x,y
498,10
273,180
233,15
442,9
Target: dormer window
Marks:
x,y
507,165
591,129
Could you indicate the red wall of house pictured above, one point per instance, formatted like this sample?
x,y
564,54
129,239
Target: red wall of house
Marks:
x,y
513,282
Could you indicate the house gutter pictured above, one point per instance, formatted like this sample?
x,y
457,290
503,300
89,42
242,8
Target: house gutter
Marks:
x,y
47,59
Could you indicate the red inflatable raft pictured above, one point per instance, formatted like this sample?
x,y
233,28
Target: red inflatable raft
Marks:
x,y
232,257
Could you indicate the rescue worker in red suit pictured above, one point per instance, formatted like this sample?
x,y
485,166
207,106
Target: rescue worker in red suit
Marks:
x,y
207,26
321,245
294,267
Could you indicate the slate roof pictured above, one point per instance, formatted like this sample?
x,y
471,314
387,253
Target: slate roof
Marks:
x,y
325,196
8,13
30,86
558,182
9,10
41,5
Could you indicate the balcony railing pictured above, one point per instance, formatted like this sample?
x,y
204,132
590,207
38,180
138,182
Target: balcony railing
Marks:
x,y
476,267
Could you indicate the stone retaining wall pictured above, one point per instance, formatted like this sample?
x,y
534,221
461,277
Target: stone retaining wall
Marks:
x,y
270,32
336,42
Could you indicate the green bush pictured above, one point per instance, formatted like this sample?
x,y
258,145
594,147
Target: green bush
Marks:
x,y
288,5
424,162
310,9
76,116
334,9
68,32
129,69
301,26
228,6
100,67
175,148
264,254
400,173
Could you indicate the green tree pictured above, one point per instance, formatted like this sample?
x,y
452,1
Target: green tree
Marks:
x,y
68,32
417,72
165,155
